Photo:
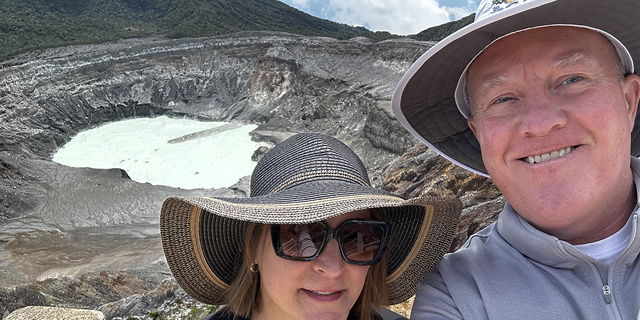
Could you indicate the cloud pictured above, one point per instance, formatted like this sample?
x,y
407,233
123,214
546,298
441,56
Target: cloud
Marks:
x,y
395,16
299,3
456,13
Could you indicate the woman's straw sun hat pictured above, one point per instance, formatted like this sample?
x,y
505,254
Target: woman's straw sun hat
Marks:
x,y
306,178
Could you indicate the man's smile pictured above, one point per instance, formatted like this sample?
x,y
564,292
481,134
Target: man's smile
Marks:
x,y
539,158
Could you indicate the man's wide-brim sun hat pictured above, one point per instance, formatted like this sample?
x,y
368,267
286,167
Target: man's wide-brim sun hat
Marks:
x,y
429,100
307,178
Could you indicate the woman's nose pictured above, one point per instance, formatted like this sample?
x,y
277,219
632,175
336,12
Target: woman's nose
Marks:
x,y
330,261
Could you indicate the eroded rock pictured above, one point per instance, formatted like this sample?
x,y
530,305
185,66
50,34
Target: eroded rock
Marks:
x,y
421,171
12,299
168,301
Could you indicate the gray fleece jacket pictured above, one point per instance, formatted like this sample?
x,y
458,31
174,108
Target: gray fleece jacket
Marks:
x,y
511,270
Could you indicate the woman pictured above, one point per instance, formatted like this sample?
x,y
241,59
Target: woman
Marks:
x,y
273,255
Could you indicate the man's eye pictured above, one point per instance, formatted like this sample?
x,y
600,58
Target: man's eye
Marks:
x,y
572,79
502,100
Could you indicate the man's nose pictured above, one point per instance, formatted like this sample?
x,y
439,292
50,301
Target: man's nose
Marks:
x,y
541,114
330,261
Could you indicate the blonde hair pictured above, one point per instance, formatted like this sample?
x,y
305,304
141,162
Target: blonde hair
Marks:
x,y
242,295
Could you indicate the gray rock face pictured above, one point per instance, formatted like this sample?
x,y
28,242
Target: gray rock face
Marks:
x,y
290,82
168,301
14,298
61,226
421,171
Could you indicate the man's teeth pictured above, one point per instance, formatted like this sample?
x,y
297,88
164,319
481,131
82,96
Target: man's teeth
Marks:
x,y
322,293
549,156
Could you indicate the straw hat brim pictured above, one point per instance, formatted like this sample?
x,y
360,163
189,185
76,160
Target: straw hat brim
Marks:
x,y
424,101
203,238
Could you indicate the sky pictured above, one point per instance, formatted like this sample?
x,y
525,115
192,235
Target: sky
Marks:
x,y
396,16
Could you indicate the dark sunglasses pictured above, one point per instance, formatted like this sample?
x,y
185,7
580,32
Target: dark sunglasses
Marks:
x,y
361,241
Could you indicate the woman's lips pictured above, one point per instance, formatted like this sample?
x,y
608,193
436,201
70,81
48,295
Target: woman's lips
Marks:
x,y
323,296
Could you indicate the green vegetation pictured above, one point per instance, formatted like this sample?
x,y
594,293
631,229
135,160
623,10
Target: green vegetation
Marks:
x,y
440,32
154,314
38,24
211,309
196,313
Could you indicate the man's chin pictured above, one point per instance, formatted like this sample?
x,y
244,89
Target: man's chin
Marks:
x,y
553,211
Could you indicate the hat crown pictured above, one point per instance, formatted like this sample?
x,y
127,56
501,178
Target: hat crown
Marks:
x,y
489,7
303,158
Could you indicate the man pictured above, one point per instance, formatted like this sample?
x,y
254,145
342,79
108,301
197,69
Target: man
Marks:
x,y
541,96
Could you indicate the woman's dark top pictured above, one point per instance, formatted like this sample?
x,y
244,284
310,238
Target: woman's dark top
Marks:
x,y
224,314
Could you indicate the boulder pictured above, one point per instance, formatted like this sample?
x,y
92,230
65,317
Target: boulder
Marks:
x,y
259,153
54,313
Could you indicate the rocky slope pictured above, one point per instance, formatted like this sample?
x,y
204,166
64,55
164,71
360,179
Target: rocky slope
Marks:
x,y
85,238
421,171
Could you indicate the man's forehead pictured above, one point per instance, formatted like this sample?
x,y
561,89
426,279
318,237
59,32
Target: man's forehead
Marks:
x,y
563,40
564,59
580,51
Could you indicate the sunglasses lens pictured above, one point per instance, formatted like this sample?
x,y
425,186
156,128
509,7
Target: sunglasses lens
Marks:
x,y
361,241
301,240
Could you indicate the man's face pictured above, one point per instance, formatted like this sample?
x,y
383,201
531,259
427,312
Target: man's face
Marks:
x,y
553,119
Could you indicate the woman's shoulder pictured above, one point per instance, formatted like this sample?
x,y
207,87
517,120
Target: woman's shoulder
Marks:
x,y
223,314
386,314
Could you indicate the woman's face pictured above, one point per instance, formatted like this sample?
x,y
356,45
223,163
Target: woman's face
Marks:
x,y
325,288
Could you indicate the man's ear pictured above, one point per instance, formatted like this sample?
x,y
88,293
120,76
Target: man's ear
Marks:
x,y
472,127
631,90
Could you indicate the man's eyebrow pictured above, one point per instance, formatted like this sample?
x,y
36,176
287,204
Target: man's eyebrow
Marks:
x,y
491,82
574,59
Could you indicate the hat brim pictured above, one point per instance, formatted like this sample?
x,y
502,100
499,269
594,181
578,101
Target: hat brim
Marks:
x,y
423,100
203,238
